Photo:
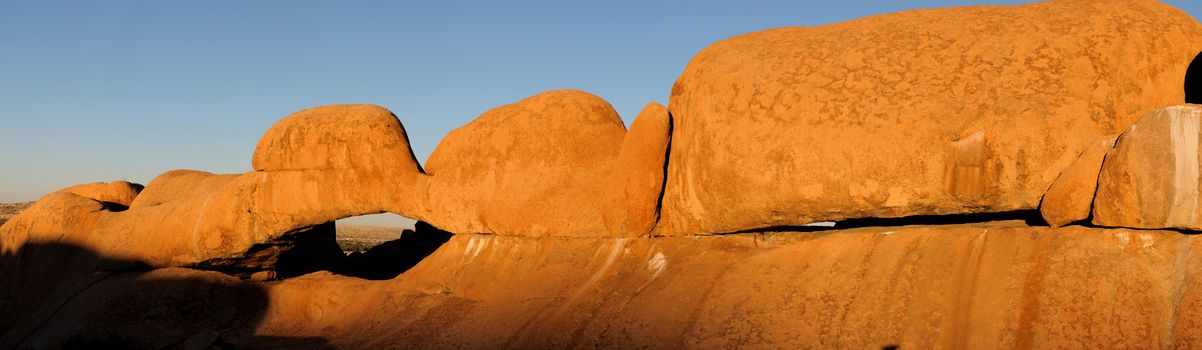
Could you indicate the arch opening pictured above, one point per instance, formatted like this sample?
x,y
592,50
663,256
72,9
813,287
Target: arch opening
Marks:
x,y
1193,81
361,233
384,246
374,246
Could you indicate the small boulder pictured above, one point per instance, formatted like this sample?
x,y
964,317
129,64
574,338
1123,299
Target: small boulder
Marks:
x,y
1071,195
262,276
637,178
1151,177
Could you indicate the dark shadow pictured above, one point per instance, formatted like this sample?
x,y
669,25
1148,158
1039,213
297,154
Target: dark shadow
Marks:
x,y
65,296
1030,217
295,253
392,258
663,187
316,248
118,207
891,347
110,206
1193,81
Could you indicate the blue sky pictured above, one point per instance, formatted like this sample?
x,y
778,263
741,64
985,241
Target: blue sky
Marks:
x,y
99,91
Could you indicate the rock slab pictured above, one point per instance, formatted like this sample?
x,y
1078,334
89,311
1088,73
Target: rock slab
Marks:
x,y
927,112
1151,177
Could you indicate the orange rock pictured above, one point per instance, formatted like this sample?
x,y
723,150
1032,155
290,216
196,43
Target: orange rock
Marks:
x,y
1151,177
173,185
190,217
964,286
360,137
263,276
547,166
1071,196
943,111
116,192
637,176
997,285
557,164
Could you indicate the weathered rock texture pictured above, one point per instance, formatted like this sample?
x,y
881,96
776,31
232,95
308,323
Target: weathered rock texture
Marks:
x,y
1071,196
557,164
943,111
314,167
550,165
968,110
1151,178
980,286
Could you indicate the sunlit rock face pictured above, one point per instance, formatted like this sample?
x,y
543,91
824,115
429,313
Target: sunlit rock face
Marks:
x,y
916,137
313,167
1151,177
560,163
1070,198
944,111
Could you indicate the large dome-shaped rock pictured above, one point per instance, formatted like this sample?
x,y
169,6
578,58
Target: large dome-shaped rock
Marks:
x,y
944,111
337,161
1151,177
548,166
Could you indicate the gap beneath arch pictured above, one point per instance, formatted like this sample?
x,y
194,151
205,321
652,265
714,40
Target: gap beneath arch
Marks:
x,y
360,233
366,251
383,246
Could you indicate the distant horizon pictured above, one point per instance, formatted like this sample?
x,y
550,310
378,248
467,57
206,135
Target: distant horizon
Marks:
x,y
96,92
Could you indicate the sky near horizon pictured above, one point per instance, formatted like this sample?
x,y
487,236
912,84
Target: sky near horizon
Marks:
x,y
126,90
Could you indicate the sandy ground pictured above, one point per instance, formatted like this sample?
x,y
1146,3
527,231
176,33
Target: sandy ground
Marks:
x,y
354,238
8,210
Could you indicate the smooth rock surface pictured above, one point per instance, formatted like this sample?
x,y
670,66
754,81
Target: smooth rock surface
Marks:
x,y
117,192
977,286
942,111
548,166
1151,177
1070,198
637,177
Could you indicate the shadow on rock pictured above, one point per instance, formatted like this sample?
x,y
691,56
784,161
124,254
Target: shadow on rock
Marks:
x,y
64,296
392,258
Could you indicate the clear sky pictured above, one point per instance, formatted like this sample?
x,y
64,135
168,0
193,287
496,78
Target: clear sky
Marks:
x,y
107,90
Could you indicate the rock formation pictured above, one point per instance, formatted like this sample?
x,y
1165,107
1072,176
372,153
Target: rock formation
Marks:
x,y
1150,179
559,163
120,193
1070,198
999,285
313,167
943,111
547,224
